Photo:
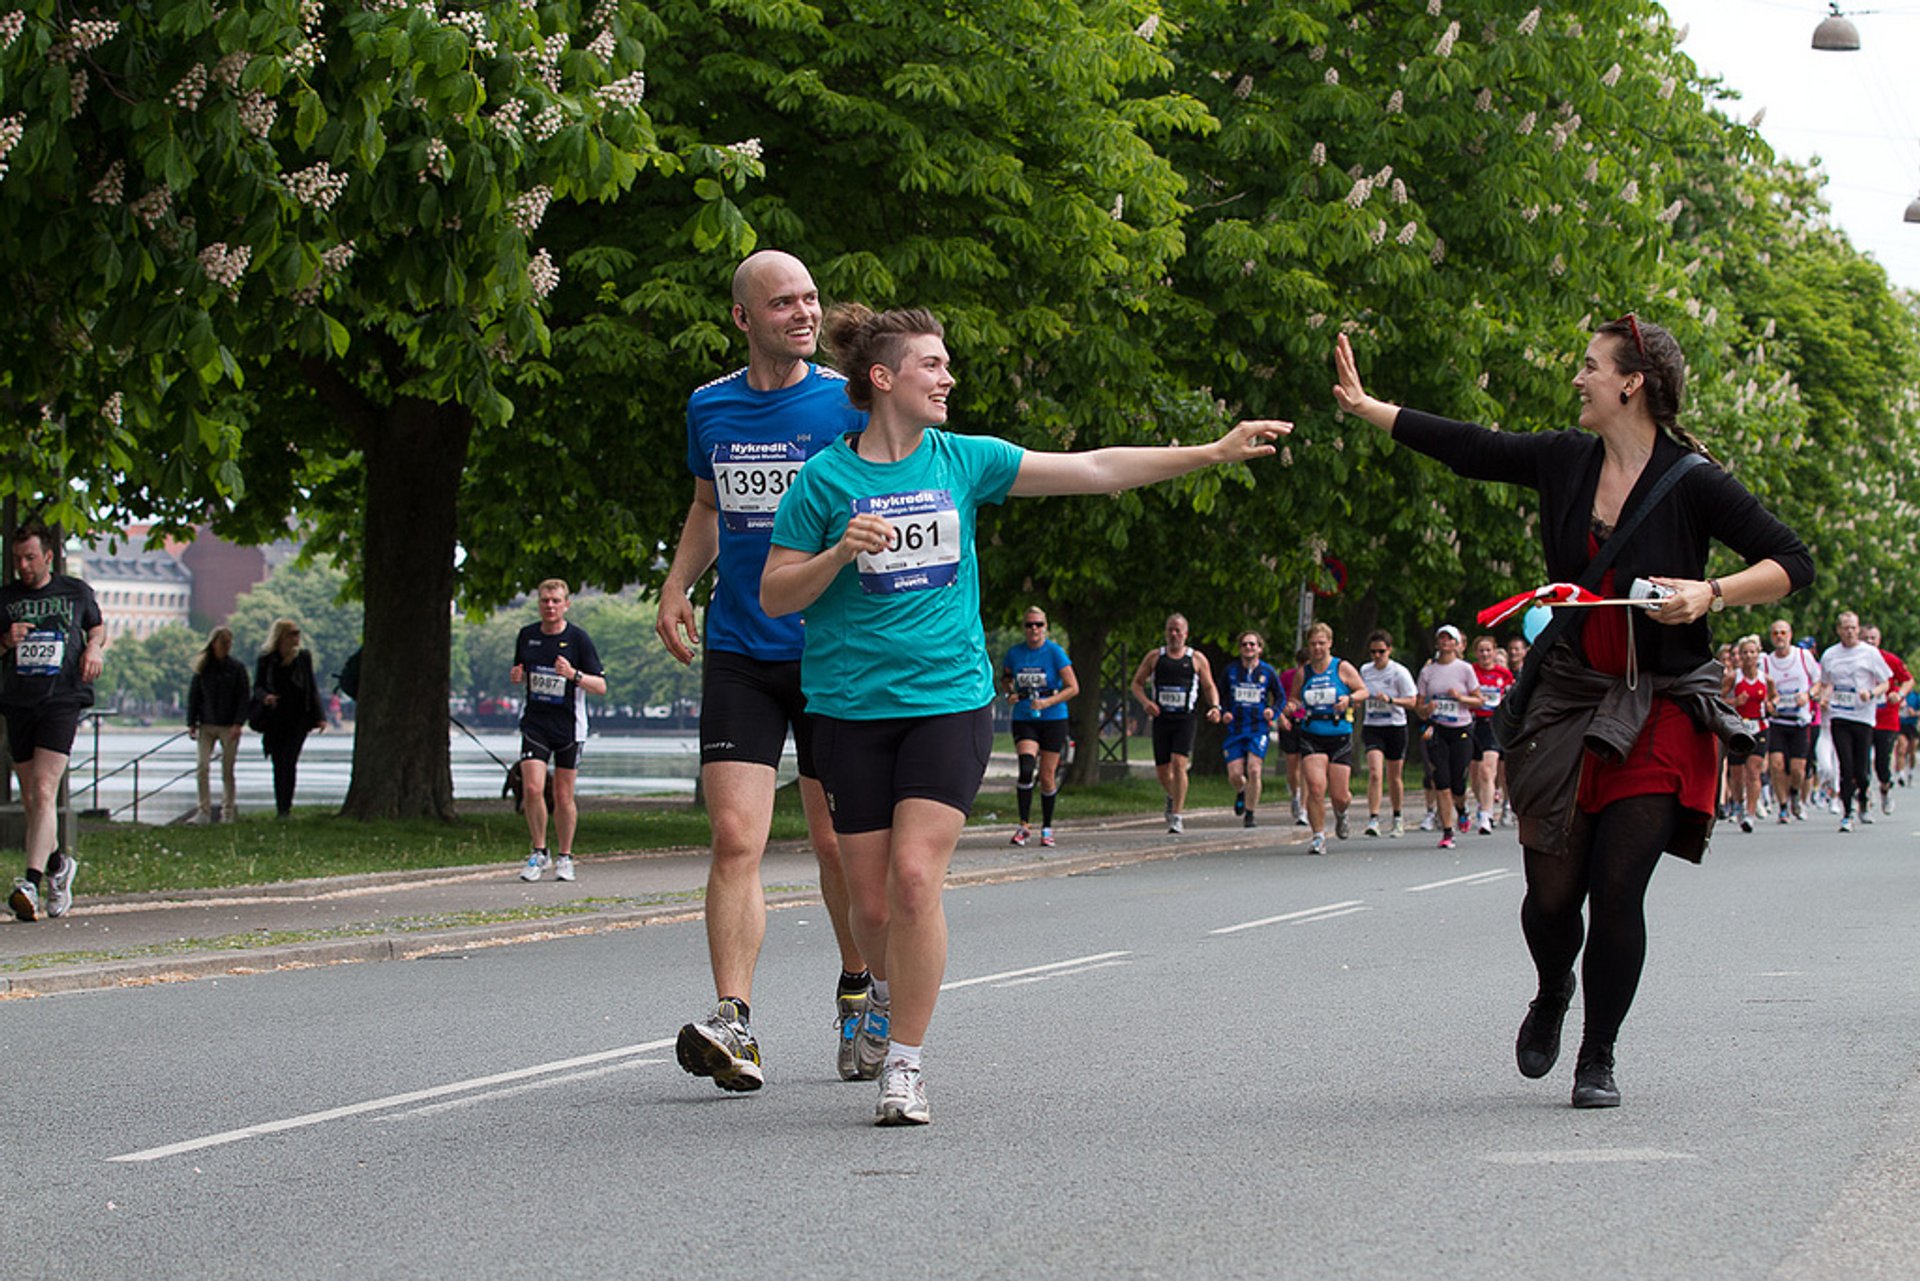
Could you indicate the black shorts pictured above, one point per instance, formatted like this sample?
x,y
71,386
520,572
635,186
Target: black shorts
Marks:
x,y
1337,748
1172,736
1447,756
1910,732
1389,740
1287,740
1795,742
1051,735
47,728
871,766
558,755
1483,739
746,708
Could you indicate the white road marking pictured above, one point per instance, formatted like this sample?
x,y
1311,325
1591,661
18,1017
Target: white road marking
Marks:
x,y
1477,878
1588,1156
1032,969
524,1087
391,1101
1305,914
1061,974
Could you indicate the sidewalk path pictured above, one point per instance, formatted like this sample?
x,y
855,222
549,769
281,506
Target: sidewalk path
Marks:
x,y
110,941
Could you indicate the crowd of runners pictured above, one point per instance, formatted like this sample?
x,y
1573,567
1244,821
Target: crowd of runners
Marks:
x,y
845,612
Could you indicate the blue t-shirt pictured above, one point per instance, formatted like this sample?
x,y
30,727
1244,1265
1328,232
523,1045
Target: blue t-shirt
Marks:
x,y
751,444
1320,691
1036,673
898,633
1249,694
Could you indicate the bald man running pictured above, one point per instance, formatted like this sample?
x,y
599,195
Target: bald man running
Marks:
x,y
747,434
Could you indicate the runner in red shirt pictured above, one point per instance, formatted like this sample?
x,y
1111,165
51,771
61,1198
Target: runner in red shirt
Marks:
x,y
1748,689
1886,719
1494,680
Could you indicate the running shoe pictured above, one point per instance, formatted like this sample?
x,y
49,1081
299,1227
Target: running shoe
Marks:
x,y
1866,812
1784,819
1886,802
1464,823
1799,812
1246,819
849,1009
903,1096
722,1046
1021,834
1428,823
1300,819
1373,825
537,862
1486,823
1240,802
60,886
1340,827
1046,837
870,1043
1399,826
25,900
1446,840
1176,825
1319,844
563,867
1846,825
1169,809
1746,824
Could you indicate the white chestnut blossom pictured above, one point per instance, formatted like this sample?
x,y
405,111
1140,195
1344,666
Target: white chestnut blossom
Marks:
x,y
114,410
257,113
542,274
1380,231
77,93
1668,214
111,188
437,156
1611,76
1318,156
508,116
192,88
83,36
11,127
1358,193
1630,192
153,206
1758,116
1396,102
1407,233
1483,101
748,149
223,265
230,68
1527,122
1146,29
603,45
316,186
624,92
1528,23
1119,209
1399,192
547,123
1666,88
1445,48
1333,75
529,207
1433,8
11,25
1317,53
1243,87
1439,253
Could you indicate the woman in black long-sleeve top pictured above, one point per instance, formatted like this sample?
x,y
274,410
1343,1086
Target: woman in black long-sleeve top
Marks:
x,y
283,682
217,700
1659,794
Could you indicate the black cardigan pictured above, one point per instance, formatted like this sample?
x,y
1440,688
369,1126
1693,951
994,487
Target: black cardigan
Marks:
x,y
1564,466
219,693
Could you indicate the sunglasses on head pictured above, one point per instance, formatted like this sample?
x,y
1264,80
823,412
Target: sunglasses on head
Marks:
x,y
1632,322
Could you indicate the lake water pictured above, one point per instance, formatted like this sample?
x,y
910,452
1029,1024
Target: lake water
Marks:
x,y
611,765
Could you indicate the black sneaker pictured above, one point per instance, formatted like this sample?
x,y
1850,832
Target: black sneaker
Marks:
x,y
1240,803
1246,820
1537,1048
1593,1084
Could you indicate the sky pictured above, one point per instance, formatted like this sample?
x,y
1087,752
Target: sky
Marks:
x,y
1858,112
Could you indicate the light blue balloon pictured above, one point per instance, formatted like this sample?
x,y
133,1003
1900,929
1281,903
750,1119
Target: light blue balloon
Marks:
x,y
1535,621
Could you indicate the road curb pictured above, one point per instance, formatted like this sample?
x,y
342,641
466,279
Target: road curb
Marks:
x,y
415,945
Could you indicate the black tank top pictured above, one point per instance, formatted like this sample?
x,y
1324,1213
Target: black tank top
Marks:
x,y
1176,688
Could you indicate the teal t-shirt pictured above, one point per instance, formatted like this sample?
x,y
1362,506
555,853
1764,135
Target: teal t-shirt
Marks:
x,y
898,633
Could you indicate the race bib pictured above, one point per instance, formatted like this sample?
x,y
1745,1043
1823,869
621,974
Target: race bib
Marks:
x,y
1172,700
1845,700
544,685
1379,707
42,653
1446,708
1321,696
1490,694
749,480
1030,683
1249,696
924,552
1750,725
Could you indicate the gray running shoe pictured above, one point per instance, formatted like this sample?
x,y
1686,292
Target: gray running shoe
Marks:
x,y
60,886
1340,827
850,1008
870,1043
722,1046
903,1096
25,900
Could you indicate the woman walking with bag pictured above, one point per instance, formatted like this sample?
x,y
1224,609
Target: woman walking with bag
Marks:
x,y
1628,497
286,707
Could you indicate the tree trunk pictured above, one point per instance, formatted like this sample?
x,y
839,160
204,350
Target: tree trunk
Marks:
x,y
415,454
1083,709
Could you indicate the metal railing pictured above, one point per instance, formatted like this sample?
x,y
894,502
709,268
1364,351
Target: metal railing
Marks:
x,y
96,810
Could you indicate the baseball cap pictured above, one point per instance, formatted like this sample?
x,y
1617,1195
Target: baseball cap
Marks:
x,y
1448,629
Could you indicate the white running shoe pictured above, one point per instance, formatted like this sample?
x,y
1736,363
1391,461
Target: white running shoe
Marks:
x,y
903,1096
1846,824
25,900
1340,827
1319,845
1486,823
1174,825
1399,826
1428,823
563,867
870,1042
60,886
537,862
1373,825
1886,802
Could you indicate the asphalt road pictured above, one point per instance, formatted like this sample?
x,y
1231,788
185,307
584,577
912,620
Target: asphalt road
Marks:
x,y
1245,1063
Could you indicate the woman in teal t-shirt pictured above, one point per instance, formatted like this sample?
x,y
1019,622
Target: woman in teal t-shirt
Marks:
x,y
875,543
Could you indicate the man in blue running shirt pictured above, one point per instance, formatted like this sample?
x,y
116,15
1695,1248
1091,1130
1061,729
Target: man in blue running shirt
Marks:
x,y
747,434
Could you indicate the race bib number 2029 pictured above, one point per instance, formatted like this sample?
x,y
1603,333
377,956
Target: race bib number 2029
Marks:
x,y
42,653
924,551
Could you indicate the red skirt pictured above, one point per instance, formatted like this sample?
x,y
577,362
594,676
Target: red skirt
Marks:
x,y
1672,757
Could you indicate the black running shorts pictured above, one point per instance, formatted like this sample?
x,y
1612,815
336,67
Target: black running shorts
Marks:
x,y
869,767
1794,742
1389,740
47,728
746,708
1172,736
1051,735
1337,748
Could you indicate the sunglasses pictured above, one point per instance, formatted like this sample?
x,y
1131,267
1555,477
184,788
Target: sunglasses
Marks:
x,y
1032,624
1632,322
1378,649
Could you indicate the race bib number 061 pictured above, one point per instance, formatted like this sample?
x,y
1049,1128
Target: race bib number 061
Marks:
x,y
750,479
924,551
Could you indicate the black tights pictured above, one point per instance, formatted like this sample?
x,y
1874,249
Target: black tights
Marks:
x,y
1611,877
1853,746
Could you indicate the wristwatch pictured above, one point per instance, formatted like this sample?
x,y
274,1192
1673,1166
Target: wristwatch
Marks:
x,y
1719,602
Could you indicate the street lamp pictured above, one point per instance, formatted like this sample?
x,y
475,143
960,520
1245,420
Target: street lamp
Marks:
x,y
1836,32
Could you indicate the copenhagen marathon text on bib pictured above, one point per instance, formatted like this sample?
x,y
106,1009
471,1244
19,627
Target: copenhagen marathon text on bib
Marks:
x,y
749,480
924,552
544,685
42,653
